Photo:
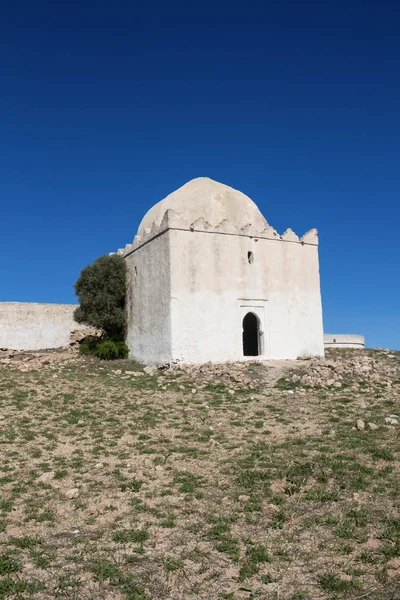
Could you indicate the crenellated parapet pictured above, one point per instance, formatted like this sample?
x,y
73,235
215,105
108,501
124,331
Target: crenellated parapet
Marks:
x,y
173,220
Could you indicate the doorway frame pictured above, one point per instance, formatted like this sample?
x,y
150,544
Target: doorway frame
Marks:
x,y
259,308
258,333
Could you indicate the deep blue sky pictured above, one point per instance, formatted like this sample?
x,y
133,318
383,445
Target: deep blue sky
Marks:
x,y
106,107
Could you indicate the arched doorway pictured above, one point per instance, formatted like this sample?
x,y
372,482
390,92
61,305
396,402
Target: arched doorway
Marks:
x,y
251,335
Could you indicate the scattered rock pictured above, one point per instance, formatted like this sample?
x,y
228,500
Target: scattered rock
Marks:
x,y
359,370
243,498
360,425
78,335
272,507
150,370
391,421
233,376
394,563
117,372
72,493
373,426
46,477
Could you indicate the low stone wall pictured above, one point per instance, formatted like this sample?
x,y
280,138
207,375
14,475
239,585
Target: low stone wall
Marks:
x,y
34,326
343,340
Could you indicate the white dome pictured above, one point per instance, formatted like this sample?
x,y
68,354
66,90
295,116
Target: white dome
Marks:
x,y
204,197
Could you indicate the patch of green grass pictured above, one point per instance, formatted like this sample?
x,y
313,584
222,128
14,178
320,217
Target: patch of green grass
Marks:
x,y
299,595
188,482
104,570
60,473
278,519
9,564
172,564
133,485
331,582
5,505
381,454
169,521
251,479
254,505
26,542
16,587
41,559
255,556
320,494
287,384
41,516
131,536
223,541
391,538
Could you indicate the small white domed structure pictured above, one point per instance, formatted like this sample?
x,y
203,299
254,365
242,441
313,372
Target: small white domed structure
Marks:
x,y
210,280
208,199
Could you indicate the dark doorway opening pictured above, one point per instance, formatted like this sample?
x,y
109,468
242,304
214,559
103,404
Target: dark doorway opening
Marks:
x,y
251,335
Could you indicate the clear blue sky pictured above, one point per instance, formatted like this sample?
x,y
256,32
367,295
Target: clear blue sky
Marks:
x,y
106,107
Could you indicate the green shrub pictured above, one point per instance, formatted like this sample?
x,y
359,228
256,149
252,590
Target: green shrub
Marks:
x,y
89,345
101,290
102,348
107,350
123,349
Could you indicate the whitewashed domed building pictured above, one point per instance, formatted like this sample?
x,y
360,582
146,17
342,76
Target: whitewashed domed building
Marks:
x,y
210,280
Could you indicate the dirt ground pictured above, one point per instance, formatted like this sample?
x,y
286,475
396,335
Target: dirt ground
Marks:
x,y
271,481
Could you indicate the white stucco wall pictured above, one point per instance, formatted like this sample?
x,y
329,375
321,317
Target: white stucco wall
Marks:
x,y
191,284
149,301
213,286
343,340
35,326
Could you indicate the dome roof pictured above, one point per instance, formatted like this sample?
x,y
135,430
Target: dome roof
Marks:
x,y
204,197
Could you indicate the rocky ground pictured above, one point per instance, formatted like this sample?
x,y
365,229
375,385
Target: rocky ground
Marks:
x,y
277,480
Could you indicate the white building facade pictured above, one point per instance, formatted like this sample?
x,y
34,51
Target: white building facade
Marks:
x,y
210,280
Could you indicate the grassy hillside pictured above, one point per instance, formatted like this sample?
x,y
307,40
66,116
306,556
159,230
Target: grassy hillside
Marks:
x,y
274,481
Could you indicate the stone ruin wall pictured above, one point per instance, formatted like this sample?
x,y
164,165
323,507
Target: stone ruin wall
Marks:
x,y
34,326
344,340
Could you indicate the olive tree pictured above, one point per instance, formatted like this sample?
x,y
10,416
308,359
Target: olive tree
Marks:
x,y
101,290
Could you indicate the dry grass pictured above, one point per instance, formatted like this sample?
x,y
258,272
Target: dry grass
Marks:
x,y
265,493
